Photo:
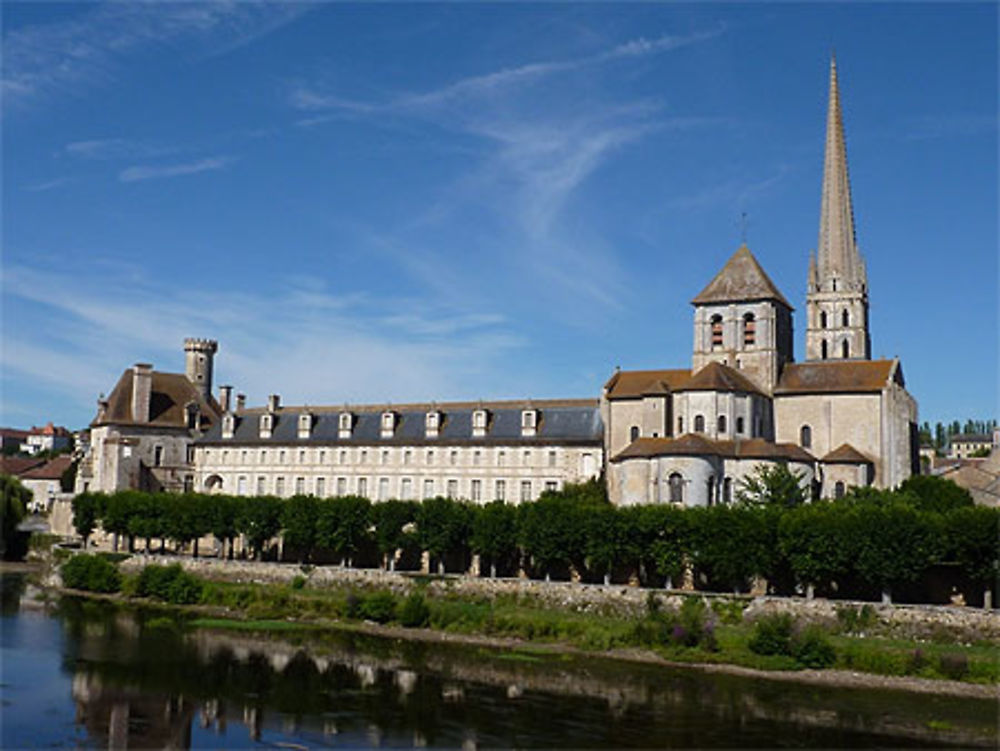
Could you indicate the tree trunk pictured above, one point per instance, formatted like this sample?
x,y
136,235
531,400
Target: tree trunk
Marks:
x,y
887,596
194,548
669,583
149,545
607,578
440,567
114,542
810,592
493,570
988,599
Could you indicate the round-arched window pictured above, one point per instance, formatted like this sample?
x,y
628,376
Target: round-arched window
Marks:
x,y
676,488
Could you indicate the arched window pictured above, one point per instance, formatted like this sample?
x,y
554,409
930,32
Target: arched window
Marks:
x,y
739,425
633,432
749,330
845,349
823,348
699,424
806,437
845,318
710,491
722,423
676,488
727,490
822,319
680,425
716,330
838,490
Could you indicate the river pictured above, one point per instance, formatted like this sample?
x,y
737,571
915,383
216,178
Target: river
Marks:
x,y
91,674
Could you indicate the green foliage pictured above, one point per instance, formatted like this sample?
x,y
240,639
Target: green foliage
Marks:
x,y
772,635
664,535
91,573
494,531
298,582
971,538
390,518
938,494
298,523
552,530
730,545
813,649
413,611
13,506
895,543
772,485
86,512
343,524
379,606
817,542
259,519
443,525
170,584
857,620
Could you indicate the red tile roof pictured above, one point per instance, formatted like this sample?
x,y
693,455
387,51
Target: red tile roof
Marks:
x,y
838,376
51,470
633,384
846,454
694,444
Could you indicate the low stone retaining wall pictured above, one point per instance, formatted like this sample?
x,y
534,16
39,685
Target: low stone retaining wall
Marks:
x,y
912,621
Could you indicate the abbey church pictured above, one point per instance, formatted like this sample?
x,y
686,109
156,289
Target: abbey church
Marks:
x,y
686,436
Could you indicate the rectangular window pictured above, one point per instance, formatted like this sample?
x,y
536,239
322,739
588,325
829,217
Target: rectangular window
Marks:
x,y
241,486
343,457
341,486
527,458
477,490
225,457
364,456
385,457
157,456
263,457
428,488
322,457
281,457
551,486
320,486
261,485
454,458
453,488
243,457
383,488
501,491
476,456
302,457
300,486
501,458
279,486
363,487
552,458
188,484
525,490
430,457
406,489
190,454
407,455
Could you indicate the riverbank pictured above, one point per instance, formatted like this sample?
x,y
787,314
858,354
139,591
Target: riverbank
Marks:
x,y
658,636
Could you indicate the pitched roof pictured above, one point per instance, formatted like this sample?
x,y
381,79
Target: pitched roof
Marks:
x,y
972,438
694,444
632,384
17,465
742,278
837,376
50,429
51,470
718,377
846,454
170,392
14,433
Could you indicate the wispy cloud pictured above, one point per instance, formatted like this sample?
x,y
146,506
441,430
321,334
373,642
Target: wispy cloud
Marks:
x,y
735,192
312,345
56,182
116,148
67,57
952,125
158,172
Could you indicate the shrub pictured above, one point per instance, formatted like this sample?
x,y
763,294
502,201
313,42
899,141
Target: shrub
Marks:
x,y
379,607
91,573
772,635
299,582
854,620
813,649
954,665
413,611
170,584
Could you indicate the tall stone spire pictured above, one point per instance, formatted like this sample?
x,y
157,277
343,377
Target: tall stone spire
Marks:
x,y
837,288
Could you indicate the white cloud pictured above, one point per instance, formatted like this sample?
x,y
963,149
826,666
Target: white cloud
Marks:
x,y
56,182
157,172
115,148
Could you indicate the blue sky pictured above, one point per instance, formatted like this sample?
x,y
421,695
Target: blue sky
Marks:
x,y
418,201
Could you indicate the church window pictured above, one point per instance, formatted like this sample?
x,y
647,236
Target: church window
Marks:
x,y
845,349
157,456
633,432
739,425
699,424
834,285
806,437
845,318
727,490
710,491
722,423
838,490
822,319
676,488
680,425
716,330
823,349
749,330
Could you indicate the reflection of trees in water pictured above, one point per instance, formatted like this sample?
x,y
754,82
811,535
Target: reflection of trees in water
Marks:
x,y
402,692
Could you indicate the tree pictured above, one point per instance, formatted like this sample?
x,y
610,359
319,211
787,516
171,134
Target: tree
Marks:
x,y
343,525
972,540
815,540
551,530
298,522
86,512
12,510
772,485
443,527
220,516
115,516
665,539
894,543
607,539
390,519
930,493
729,545
259,519
494,534
185,519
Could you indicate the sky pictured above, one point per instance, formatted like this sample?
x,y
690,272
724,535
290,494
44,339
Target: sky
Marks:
x,y
413,202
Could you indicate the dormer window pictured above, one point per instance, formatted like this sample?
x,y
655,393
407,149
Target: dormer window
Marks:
x,y
345,424
266,425
305,425
388,423
432,423
193,414
529,422
228,425
480,418
716,323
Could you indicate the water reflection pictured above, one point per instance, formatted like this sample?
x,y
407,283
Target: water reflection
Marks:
x,y
141,680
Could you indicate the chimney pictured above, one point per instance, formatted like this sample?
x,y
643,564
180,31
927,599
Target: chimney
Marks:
x,y
142,389
225,397
241,402
273,403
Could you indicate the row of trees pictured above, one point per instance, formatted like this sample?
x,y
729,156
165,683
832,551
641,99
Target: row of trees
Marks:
x,y
941,434
879,539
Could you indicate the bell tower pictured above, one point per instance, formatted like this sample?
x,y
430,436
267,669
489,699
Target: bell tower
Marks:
x,y
837,290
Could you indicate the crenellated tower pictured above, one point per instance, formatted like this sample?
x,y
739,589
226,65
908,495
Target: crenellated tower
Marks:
x,y
837,291
198,359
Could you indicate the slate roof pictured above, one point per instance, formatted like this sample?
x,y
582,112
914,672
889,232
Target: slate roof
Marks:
x,y
972,438
50,470
634,384
741,279
838,376
170,393
846,454
694,444
576,421
718,377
